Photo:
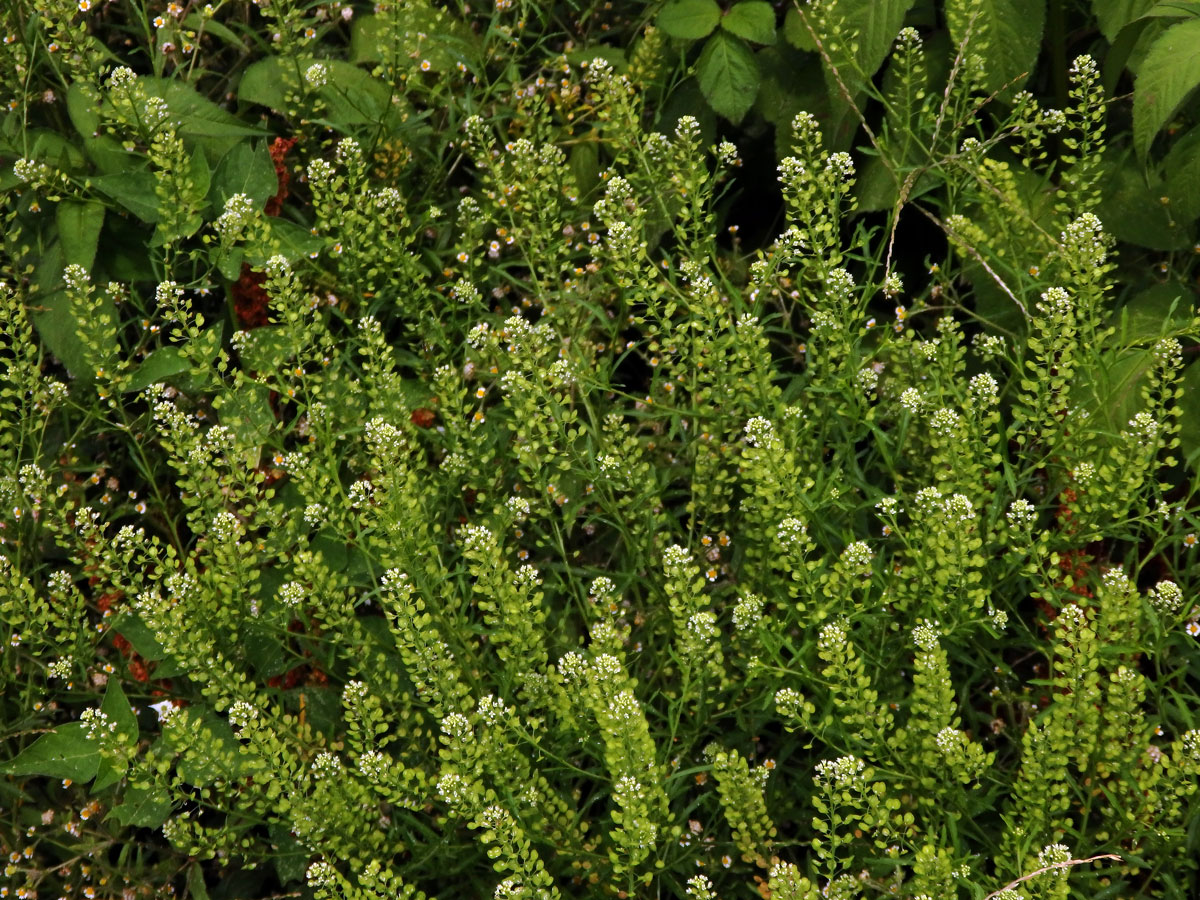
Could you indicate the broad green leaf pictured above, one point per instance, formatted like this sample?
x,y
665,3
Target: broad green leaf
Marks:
x,y
874,25
79,224
141,638
66,752
689,20
116,707
197,115
1134,212
158,366
83,109
1007,34
1148,314
55,150
247,413
1182,167
794,31
143,807
351,95
1113,15
133,190
1167,77
223,762
202,25
285,238
753,20
245,169
1189,422
728,75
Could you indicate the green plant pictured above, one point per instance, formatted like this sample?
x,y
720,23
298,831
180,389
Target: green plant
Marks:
x,y
502,530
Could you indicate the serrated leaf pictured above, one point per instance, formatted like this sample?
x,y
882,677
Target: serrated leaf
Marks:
x,y
1166,79
689,20
753,20
874,24
66,752
1006,33
728,75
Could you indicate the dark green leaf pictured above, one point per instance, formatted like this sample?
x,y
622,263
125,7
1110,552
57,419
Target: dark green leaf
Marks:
x,y
158,366
728,75
245,169
133,190
66,752
753,20
116,707
82,107
79,224
143,807
1133,211
1167,77
141,638
1113,15
1005,33
689,20
247,413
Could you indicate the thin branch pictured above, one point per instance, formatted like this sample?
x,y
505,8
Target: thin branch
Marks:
x,y
1058,865
975,254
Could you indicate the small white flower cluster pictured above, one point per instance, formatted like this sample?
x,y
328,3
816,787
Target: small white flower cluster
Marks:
x,y
747,611
62,667
832,637
492,711
857,557
316,76
518,508
1169,353
840,773
958,509
526,577
320,172
912,400
395,580
375,766
326,765
950,741
888,506
1144,428
760,433
1054,854
321,875
841,167
360,492
476,538
1116,581
926,635
225,527
292,594
315,514
458,727
791,533
242,714
1085,472
385,439
676,557
1166,596
239,210
727,154
687,129
1085,241
867,379
703,626
1056,304
983,389
945,422
97,724
31,171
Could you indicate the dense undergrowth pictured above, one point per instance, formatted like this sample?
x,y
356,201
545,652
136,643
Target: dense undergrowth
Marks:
x,y
599,450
